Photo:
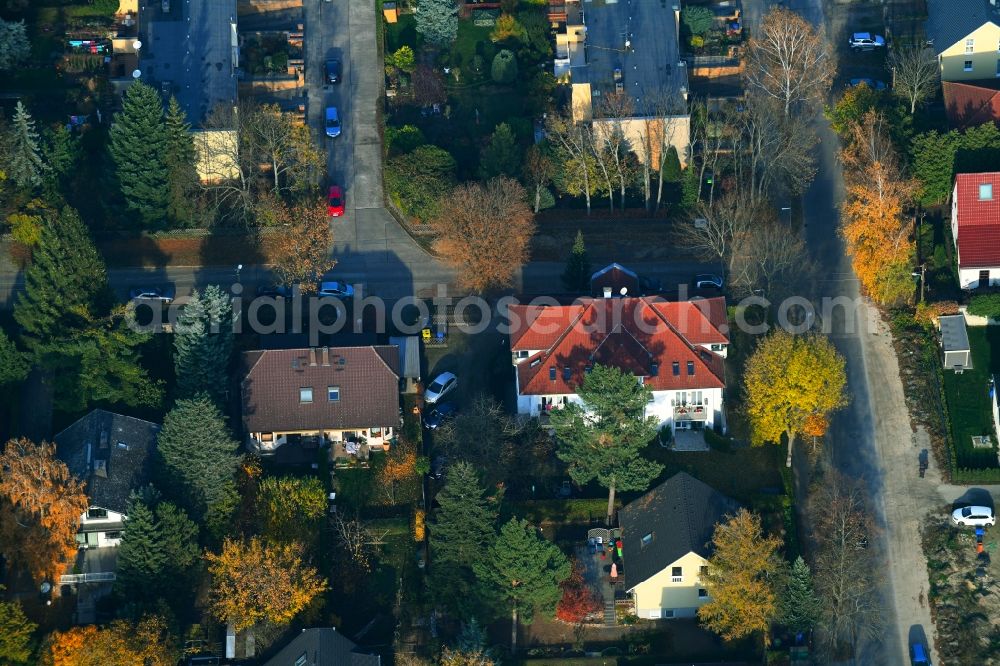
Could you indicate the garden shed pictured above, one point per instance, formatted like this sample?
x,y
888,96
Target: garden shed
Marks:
x,y
955,343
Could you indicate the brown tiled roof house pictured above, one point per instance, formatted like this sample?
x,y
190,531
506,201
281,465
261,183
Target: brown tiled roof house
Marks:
x,y
327,392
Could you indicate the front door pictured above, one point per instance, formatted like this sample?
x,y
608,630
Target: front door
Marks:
x,y
984,278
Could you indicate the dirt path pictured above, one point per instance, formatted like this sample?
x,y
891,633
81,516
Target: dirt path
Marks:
x,y
907,498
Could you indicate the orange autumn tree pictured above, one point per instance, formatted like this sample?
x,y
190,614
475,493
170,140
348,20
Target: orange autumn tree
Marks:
x,y
40,508
400,465
301,251
878,236
148,643
254,583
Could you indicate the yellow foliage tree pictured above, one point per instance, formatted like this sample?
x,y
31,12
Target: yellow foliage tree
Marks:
x,y
254,583
399,465
419,525
40,508
878,237
148,643
741,578
791,381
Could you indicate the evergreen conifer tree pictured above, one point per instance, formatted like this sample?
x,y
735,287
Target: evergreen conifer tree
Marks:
x,y
576,277
502,156
198,454
672,166
180,160
203,344
141,560
14,364
799,608
65,286
138,147
62,153
24,158
437,21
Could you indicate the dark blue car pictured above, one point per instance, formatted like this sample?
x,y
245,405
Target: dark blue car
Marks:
x,y
439,415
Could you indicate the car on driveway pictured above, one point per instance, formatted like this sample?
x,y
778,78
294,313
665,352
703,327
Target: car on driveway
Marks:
x,y
332,122
337,289
866,41
708,281
441,385
918,655
333,70
975,516
335,201
165,295
441,413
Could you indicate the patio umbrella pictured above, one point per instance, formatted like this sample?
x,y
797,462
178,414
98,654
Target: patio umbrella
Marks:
x,y
614,570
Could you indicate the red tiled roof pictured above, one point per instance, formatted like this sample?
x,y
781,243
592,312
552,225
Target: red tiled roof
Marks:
x,y
368,378
616,277
628,333
970,103
978,221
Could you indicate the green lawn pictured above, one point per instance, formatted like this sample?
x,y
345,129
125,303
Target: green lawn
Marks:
x,y
402,32
472,40
968,398
740,474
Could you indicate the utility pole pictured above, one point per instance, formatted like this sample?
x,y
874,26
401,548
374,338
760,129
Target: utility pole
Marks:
x,y
923,278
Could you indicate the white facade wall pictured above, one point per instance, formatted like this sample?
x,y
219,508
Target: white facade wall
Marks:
x,y
968,278
91,526
662,407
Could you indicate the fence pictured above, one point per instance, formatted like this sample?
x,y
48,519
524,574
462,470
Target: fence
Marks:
x,y
99,577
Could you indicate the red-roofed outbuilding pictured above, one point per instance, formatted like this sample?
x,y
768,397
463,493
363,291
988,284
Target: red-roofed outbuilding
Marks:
x,y
975,227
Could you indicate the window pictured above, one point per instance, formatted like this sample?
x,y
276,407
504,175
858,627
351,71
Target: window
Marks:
x,y
552,372
970,45
654,369
123,446
718,347
567,373
677,368
676,575
94,512
522,353
703,571
301,661
668,613
986,192
647,539
113,535
587,369
333,393
690,368
998,67
702,593
968,66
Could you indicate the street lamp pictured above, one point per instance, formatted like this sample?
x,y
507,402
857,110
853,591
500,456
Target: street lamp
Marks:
x,y
239,267
787,209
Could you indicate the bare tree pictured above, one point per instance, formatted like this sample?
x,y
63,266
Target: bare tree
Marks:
x,y
715,230
483,435
666,106
616,108
358,540
789,60
915,74
538,172
771,259
227,171
573,139
844,567
484,230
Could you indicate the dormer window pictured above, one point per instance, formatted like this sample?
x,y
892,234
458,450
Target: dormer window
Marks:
x,y
986,192
305,395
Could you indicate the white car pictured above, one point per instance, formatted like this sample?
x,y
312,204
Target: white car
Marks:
x,y
976,516
865,41
441,385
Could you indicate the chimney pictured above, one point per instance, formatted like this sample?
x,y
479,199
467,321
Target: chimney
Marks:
x,y
607,292
312,357
326,356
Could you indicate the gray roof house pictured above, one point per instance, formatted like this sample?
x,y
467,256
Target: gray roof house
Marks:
x,y
666,542
111,453
322,647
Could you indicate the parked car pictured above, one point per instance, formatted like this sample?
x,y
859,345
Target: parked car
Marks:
x,y
333,70
337,289
332,122
441,385
871,83
335,201
865,41
165,295
274,291
918,655
976,516
441,413
437,466
708,281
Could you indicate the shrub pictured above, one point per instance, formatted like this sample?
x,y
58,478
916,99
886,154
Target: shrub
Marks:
x,y
985,305
26,229
508,27
504,69
109,7
698,20
578,601
405,139
696,41
403,59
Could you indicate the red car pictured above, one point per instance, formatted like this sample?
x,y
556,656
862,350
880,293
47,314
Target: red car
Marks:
x,y
335,201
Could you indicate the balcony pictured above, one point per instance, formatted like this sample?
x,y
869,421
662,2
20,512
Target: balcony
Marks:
x,y
690,413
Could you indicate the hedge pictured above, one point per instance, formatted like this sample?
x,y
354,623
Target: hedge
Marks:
x,y
564,512
985,305
990,475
